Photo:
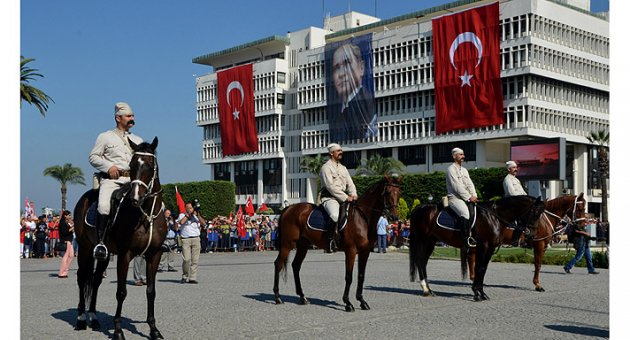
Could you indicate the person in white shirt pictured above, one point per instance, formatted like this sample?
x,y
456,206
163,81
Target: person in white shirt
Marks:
x,y
190,224
511,185
111,155
461,192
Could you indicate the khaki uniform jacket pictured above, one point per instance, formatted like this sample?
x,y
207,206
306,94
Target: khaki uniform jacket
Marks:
x,y
336,179
110,149
512,186
458,183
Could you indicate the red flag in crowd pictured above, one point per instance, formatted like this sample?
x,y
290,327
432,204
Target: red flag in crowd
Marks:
x,y
240,223
180,202
235,91
263,207
239,213
27,208
231,217
468,92
249,206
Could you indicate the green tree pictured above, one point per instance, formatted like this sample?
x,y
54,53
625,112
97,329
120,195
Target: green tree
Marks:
x,y
313,164
378,165
601,139
29,93
403,209
66,174
416,202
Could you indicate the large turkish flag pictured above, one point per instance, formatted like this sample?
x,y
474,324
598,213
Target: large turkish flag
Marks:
x,y
467,63
235,91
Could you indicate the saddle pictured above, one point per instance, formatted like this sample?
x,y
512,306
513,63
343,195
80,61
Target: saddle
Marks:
x,y
318,218
447,218
117,197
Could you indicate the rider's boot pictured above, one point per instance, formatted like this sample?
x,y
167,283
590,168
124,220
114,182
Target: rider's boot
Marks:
x,y
331,231
100,252
516,236
465,228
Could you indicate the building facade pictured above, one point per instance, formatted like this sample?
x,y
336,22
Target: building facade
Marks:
x,y
554,73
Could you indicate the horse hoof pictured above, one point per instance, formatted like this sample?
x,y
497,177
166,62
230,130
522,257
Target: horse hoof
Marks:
x,y
427,293
95,325
540,289
81,325
365,306
279,301
303,301
155,334
349,308
119,336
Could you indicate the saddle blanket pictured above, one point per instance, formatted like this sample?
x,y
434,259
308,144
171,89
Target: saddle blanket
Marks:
x,y
318,219
447,219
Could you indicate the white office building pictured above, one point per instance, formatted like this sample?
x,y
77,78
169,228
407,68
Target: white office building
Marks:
x,y
554,71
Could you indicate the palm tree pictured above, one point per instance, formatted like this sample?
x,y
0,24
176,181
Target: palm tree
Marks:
x,y
65,174
31,94
313,165
378,165
601,138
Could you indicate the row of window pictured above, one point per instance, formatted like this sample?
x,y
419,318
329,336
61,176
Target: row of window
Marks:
x,y
262,103
555,91
569,65
264,81
570,36
266,145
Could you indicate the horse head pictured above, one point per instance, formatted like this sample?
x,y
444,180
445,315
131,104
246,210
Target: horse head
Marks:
x,y
143,171
391,195
531,216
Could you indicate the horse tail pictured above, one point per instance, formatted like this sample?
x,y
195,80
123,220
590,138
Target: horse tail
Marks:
x,y
413,244
463,257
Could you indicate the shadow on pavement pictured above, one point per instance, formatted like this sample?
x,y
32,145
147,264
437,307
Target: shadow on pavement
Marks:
x,y
106,320
270,298
418,292
601,333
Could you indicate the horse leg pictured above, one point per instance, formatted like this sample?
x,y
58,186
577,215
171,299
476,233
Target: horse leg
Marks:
x,y
300,254
424,283
153,261
121,292
363,258
471,263
86,266
279,266
350,255
97,279
539,253
484,254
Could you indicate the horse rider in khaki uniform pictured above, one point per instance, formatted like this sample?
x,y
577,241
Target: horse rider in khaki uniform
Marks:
x,y
512,187
461,193
111,155
337,188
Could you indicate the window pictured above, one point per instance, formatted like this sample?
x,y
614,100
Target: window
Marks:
x,y
282,77
280,98
412,155
442,152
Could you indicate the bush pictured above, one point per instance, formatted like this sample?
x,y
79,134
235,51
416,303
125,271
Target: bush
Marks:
x,y
216,197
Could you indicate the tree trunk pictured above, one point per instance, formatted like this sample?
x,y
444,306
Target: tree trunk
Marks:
x,y
602,163
64,192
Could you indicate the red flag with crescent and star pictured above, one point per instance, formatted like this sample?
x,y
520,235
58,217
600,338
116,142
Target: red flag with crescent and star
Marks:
x,y
235,95
467,59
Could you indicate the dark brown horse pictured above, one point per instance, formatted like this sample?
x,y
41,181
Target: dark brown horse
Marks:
x,y
563,208
139,228
358,237
491,221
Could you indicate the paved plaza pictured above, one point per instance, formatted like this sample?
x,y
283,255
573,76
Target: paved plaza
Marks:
x,y
234,299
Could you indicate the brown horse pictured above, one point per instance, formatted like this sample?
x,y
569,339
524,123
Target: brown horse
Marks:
x,y
358,236
491,221
138,229
569,207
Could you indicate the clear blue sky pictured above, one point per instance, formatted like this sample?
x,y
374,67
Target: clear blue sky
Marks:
x,y
95,53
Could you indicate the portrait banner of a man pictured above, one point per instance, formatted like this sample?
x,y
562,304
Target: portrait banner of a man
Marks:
x,y
350,89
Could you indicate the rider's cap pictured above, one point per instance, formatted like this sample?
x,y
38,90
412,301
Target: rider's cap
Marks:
x,y
333,147
510,164
122,108
456,151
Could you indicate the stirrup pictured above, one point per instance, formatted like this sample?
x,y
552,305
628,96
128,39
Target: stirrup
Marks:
x,y
100,252
332,247
471,242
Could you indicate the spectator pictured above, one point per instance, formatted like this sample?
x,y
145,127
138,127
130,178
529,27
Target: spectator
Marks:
x,y
581,243
170,243
225,234
53,236
213,236
190,223
41,232
381,232
66,230
139,270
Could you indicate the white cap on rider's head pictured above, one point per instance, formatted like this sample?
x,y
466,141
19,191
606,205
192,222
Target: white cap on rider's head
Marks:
x,y
456,151
510,164
333,147
122,108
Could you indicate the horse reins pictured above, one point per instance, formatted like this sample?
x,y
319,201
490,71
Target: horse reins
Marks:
x,y
561,220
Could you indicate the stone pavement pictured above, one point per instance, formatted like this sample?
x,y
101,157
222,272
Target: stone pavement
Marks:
x,y
234,299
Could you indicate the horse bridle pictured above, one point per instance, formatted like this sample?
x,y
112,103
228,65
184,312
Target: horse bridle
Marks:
x,y
386,208
501,219
572,220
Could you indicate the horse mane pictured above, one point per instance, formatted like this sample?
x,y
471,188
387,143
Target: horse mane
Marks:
x,y
372,188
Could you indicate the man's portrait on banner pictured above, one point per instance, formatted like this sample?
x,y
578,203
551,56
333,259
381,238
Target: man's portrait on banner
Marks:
x,y
350,89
